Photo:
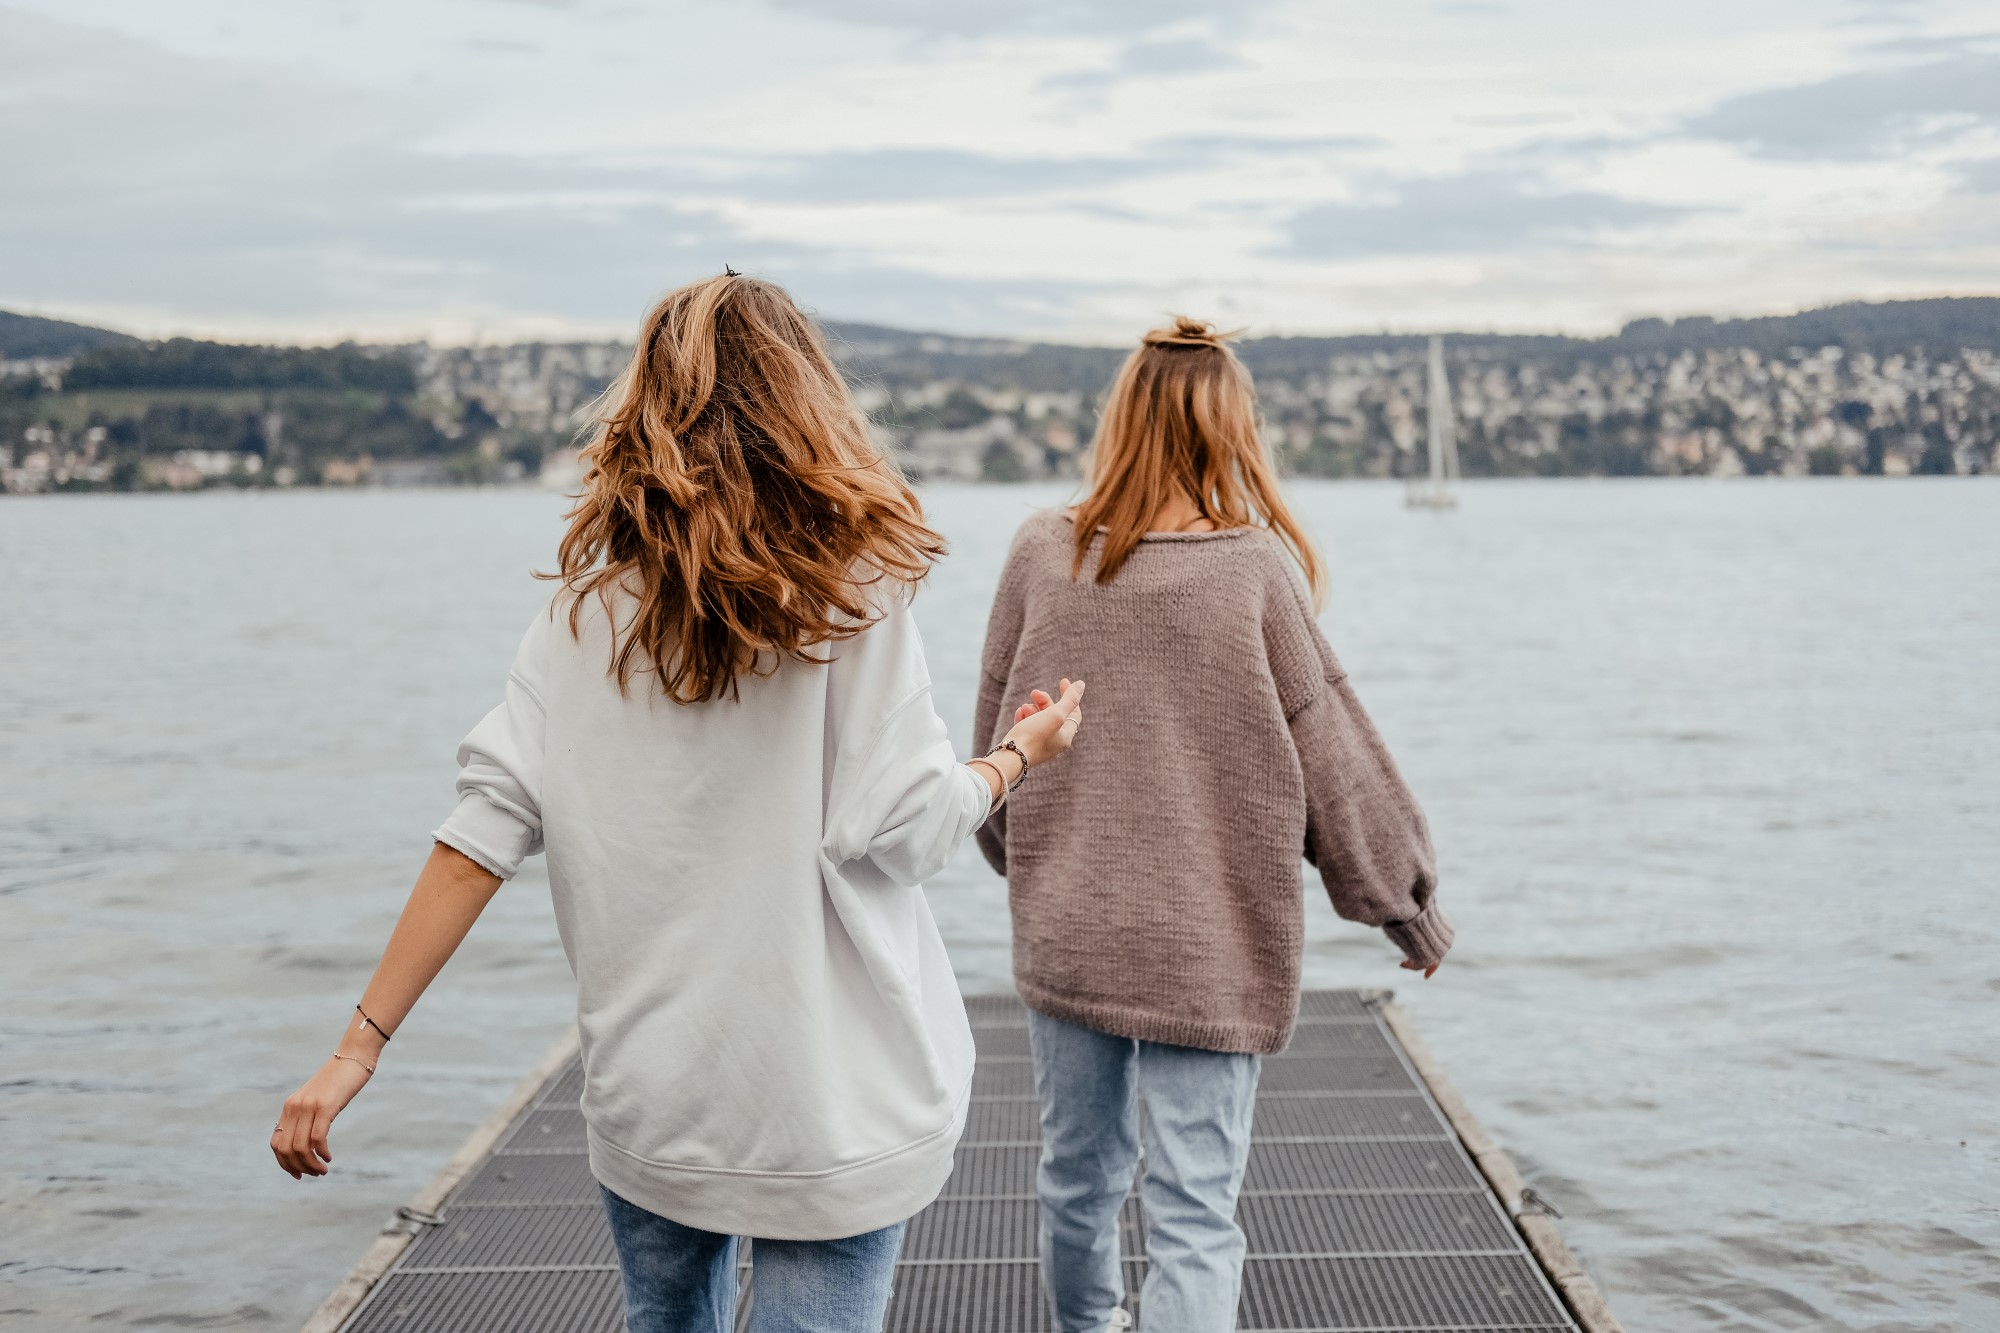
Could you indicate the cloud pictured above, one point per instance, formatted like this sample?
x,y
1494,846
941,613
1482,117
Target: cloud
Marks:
x,y
1210,148
1148,60
884,175
979,18
1863,114
1933,46
231,196
230,193
316,176
1475,212
1981,176
891,175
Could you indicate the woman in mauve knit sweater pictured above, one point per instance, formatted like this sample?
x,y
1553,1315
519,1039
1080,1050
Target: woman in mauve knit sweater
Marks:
x,y
1154,878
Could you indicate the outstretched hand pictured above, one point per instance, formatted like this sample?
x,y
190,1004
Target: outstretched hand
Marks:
x,y
299,1142
1045,727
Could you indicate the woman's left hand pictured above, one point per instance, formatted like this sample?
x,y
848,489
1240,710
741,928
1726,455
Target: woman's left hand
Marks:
x,y
1044,727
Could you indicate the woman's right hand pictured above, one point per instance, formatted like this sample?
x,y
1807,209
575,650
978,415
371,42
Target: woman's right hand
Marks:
x,y
1044,727
299,1141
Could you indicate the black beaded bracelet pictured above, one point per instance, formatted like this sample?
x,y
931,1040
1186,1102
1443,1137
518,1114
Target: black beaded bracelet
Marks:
x,y
1010,745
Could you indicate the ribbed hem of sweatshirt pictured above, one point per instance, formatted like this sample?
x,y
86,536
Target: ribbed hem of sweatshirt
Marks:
x,y
1425,938
1142,1025
785,1205
486,833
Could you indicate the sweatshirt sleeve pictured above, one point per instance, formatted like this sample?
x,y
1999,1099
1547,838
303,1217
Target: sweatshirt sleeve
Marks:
x,y
498,822
897,795
1365,833
989,718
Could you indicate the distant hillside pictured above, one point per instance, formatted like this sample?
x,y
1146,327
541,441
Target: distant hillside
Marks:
x,y
187,363
23,337
898,358
1940,325
1943,326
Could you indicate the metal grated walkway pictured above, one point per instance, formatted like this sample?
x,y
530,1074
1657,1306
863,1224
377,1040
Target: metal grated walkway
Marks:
x,y
1364,1210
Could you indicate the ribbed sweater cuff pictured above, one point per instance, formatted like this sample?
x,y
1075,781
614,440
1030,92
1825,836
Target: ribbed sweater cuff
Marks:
x,y
1425,938
487,834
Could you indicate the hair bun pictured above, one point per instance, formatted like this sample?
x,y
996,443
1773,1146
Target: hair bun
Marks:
x,y
1188,331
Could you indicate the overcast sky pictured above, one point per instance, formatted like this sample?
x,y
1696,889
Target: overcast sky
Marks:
x,y
1046,168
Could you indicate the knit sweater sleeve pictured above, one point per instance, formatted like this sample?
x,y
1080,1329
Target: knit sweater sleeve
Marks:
x,y
1365,833
996,660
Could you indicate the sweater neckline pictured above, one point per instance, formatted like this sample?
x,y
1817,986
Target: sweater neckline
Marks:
x,y
1068,518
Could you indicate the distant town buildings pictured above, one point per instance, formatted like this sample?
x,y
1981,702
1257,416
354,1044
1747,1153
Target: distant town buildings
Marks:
x,y
973,410
1712,412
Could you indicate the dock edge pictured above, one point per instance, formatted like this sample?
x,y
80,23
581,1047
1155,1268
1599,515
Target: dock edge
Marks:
x,y
1586,1303
399,1235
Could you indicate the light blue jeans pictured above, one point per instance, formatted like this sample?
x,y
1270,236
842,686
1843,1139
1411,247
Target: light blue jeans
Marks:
x,y
682,1280
1198,1106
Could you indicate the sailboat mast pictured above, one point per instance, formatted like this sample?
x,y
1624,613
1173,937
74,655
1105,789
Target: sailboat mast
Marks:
x,y
1436,493
1440,408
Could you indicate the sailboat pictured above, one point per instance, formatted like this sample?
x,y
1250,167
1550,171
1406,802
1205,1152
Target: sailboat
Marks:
x,y
1435,491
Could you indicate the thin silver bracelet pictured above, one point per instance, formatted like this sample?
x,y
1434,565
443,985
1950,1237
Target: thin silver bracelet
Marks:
x,y
1000,777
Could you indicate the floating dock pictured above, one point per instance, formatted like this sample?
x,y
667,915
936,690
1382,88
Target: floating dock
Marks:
x,y
1373,1203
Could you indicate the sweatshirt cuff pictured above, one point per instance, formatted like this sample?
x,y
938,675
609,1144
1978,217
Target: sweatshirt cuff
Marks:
x,y
487,834
1425,938
982,800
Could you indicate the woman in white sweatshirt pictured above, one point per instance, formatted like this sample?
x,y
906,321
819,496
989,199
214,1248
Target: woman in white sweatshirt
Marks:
x,y
721,732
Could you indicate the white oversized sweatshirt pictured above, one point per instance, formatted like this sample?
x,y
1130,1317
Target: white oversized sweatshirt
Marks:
x,y
773,1040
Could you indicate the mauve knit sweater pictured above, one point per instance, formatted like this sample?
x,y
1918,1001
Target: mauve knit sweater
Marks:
x,y
1154,872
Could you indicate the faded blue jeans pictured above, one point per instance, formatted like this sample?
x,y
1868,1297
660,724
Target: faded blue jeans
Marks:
x,y
682,1280
1198,1106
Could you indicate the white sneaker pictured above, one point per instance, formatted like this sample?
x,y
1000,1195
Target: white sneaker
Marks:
x,y
1121,1319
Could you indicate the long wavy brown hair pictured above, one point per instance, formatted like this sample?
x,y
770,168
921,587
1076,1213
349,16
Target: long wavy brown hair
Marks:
x,y
1181,419
731,491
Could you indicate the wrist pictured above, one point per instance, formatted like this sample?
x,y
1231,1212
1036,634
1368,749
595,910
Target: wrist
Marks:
x,y
1011,758
364,1046
362,1038
339,1058
995,779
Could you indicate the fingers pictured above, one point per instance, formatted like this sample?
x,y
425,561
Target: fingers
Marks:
x,y
299,1142
281,1144
1037,701
322,1122
293,1122
1045,726
302,1133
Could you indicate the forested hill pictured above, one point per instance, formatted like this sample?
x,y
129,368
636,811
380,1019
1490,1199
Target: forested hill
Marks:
x,y
29,337
1943,325
188,363
104,358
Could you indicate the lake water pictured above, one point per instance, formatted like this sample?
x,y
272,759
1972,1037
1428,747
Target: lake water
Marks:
x,y
1712,770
